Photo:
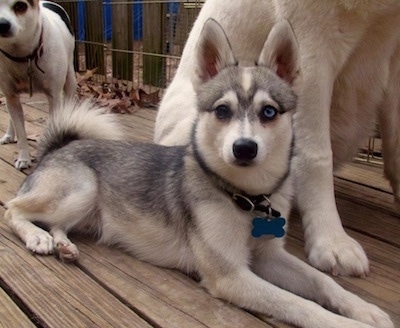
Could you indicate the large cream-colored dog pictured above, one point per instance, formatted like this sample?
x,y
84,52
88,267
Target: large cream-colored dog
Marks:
x,y
350,73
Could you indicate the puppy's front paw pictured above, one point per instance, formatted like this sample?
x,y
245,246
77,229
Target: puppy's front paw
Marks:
x,y
67,251
338,254
40,242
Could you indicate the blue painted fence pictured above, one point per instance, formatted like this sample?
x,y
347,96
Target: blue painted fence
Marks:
x,y
137,12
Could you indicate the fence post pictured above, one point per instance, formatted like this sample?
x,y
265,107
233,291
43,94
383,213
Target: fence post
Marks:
x,y
94,33
122,38
153,40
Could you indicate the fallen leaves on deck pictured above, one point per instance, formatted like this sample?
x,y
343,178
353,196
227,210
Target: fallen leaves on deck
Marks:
x,y
115,97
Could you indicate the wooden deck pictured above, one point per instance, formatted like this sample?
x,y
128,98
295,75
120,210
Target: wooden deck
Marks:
x,y
108,288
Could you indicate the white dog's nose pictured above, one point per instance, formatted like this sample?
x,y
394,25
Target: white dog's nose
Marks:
x,y
245,149
5,27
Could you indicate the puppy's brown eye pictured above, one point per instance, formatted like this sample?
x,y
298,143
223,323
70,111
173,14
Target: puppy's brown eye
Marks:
x,y
20,7
223,112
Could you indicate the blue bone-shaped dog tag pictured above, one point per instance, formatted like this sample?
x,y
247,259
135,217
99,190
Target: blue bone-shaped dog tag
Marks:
x,y
267,226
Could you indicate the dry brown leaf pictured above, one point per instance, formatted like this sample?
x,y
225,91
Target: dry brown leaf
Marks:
x,y
116,96
149,99
119,105
97,90
80,78
133,96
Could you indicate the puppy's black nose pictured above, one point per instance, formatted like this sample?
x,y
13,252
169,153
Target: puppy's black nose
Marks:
x,y
245,149
5,26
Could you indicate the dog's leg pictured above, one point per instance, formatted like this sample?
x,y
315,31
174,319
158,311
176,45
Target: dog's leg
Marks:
x,y
389,120
36,239
221,250
66,250
9,136
55,102
328,246
60,198
247,290
16,124
70,84
277,266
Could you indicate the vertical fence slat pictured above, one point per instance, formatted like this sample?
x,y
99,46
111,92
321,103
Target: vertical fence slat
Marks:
x,y
122,38
161,29
94,33
154,15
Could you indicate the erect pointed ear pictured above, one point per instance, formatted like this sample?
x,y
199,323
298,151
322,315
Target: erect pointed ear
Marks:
x,y
281,52
213,52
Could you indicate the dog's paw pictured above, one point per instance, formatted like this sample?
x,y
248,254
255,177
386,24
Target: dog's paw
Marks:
x,y
67,251
339,255
40,242
375,317
22,163
6,139
370,314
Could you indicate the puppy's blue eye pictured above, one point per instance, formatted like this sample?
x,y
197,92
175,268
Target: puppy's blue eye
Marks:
x,y
20,7
268,113
223,112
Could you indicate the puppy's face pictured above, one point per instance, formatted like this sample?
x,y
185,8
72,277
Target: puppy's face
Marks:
x,y
244,128
17,17
245,123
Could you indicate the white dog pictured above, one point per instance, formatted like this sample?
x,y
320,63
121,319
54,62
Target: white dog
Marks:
x,y
350,71
36,54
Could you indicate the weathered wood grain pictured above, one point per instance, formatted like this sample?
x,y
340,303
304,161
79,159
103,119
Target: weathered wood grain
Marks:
x,y
10,314
108,288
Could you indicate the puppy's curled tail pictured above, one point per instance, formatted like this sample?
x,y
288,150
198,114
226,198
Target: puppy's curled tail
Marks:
x,y
77,120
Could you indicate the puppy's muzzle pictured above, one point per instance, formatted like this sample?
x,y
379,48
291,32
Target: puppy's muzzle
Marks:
x,y
5,27
244,150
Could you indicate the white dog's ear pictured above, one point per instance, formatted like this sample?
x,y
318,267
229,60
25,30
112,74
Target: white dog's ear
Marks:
x,y
281,52
213,51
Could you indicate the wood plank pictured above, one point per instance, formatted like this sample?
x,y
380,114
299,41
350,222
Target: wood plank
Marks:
x,y
368,218
148,114
380,225
367,175
10,314
10,180
168,297
366,196
59,295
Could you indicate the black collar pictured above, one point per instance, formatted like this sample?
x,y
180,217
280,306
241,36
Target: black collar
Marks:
x,y
254,203
35,55
243,200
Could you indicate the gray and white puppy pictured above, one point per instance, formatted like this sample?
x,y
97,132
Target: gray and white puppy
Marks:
x,y
197,208
36,54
